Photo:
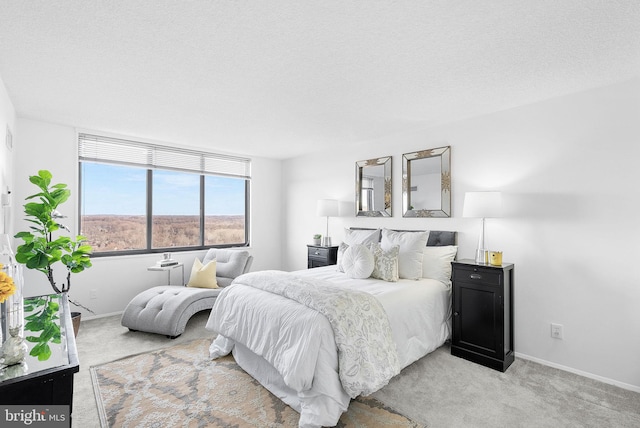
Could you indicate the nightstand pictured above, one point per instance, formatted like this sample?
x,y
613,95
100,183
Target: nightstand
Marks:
x,y
483,313
318,256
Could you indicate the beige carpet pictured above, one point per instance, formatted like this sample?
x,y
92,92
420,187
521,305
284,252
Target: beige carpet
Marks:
x,y
181,386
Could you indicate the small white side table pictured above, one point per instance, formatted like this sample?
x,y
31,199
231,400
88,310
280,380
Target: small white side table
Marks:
x,y
168,269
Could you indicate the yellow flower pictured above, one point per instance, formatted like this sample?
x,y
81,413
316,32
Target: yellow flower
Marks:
x,y
7,287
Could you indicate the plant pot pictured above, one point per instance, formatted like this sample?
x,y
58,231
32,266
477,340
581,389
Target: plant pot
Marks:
x,y
316,241
75,320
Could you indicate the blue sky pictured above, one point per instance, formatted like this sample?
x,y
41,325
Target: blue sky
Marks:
x,y
120,190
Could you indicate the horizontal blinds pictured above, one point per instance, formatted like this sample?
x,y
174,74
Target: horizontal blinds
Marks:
x,y
96,148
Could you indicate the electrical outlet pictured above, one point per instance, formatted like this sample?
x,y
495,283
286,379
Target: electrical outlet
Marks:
x,y
93,294
556,331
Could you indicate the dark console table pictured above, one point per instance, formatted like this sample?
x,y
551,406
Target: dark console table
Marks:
x,y
47,382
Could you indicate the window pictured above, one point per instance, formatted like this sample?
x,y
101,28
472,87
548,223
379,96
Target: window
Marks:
x,y
138,197
113,201
176,209
224,201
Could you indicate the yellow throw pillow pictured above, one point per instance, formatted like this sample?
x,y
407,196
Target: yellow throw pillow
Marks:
x,y
203,276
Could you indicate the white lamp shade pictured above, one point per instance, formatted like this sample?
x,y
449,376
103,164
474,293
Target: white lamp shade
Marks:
x,y
328,208
482,204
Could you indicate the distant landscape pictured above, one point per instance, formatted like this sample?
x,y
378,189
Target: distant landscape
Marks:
x,y
128,232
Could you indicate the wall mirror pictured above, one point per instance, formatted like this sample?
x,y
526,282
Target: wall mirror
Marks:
x,y
373,187
426,183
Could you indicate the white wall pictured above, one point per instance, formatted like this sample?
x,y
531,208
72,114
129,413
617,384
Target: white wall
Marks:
x,y
568,170
117,279
7,119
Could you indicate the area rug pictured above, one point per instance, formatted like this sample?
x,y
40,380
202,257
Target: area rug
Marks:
x,y
181,386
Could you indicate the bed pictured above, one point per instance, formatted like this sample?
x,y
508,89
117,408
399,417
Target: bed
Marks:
x,y
319,337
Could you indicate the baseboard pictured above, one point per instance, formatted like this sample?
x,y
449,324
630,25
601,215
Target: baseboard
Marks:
x,y
95,317
622,385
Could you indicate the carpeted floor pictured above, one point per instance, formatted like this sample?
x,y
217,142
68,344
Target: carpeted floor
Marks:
x,y
439,391
182,386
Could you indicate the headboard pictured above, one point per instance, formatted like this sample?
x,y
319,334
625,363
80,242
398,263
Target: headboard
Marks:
x,y
437,238
440,238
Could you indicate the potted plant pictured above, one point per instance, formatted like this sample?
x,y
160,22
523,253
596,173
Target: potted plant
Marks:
x,y
316,239
41,251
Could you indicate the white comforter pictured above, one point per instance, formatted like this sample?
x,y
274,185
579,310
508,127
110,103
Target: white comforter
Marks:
x,y
291,349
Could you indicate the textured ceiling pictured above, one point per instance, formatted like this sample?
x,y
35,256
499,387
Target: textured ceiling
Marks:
x,y
284,78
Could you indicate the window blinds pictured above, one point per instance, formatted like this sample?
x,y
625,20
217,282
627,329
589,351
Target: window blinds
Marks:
x,y
96,148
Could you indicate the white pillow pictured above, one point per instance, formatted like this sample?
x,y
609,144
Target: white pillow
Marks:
x,y
364,237
386,263
436,262
410,255
357,262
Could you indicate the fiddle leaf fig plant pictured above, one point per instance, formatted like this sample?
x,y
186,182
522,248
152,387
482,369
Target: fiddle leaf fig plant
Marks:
x,y
41,251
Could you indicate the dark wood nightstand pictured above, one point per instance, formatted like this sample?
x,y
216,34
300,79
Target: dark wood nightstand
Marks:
x,y
483,313
318,256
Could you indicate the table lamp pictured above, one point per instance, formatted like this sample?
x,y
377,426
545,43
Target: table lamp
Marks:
x,y
482,205
327,208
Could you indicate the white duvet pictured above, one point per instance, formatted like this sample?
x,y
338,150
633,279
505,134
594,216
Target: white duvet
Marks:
x,y
291,350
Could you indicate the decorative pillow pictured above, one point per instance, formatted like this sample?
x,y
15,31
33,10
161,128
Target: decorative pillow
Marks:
x,y
411,246
386,263
364,237
352,237
341,249
358,262
203,276
436,262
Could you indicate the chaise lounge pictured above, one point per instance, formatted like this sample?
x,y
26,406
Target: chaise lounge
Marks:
x,y
166,309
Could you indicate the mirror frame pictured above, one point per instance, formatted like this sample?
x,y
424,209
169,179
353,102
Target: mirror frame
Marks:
x,y
360,165
445,182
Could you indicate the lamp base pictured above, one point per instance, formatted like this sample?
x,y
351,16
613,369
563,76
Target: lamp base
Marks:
x,y
482,256
326,241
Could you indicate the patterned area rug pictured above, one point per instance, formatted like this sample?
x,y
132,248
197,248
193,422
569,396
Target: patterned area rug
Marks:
x,y
181,386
